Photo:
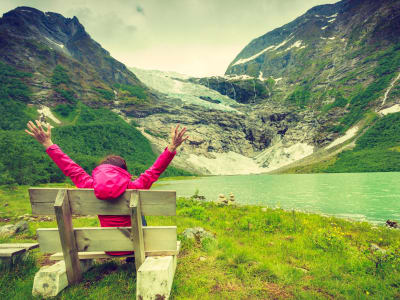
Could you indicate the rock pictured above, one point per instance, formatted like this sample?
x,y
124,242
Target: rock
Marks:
x,y
376,248
8,230
392,224
222,199
202,258
197,233
231,198
22,226
301,269
263,209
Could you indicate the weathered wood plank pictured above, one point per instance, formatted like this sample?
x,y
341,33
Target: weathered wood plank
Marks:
x,y
27,246
84,202
11,252
156,238
102,254
137,231
67,237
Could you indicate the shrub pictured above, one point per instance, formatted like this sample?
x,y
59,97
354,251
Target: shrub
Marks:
x,y
60,76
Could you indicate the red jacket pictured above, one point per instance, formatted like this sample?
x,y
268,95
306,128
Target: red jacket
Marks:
x,y
109,181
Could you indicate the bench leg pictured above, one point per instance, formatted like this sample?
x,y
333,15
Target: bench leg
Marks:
x,y
51,280
155,277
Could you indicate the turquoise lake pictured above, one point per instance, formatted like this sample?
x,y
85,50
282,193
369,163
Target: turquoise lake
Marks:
x,y
372,197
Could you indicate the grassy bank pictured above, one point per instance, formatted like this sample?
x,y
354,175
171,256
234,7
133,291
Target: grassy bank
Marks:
x,y
258,254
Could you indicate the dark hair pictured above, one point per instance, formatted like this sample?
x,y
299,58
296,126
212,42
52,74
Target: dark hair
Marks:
x,y
114,160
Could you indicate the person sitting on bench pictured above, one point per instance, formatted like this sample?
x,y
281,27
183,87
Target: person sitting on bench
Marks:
x,y
110,178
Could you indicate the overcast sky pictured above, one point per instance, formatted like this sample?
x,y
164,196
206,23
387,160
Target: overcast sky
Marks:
x,y
194,37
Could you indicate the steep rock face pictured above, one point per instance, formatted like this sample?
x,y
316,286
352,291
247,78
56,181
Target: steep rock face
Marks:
x,y
243,90
219,139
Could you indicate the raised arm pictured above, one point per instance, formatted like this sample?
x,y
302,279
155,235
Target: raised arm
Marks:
x,y
147,178
71,169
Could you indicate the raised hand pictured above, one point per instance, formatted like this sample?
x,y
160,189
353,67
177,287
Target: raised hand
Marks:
x,y
43,137
177,138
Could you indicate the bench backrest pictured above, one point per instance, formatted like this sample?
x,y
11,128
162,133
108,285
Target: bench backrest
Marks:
x,y
63,203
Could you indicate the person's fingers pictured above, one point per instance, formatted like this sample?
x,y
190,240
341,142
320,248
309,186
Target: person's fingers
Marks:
x,y
39,126
172,132
30,133
34,128
180,135
176,130
31,127
48,131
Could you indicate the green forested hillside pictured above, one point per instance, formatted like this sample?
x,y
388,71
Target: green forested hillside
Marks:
x,y
377,150
90,135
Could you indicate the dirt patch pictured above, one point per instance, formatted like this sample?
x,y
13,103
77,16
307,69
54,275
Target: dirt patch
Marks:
x,y
320,291
229,287
276,291
44,260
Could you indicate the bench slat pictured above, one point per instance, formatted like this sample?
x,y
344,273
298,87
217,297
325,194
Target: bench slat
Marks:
x,y
156,238
102,254
84,202
11,252
27,246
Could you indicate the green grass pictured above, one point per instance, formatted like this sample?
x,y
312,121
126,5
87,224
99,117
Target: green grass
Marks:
x,y
375,149
257,255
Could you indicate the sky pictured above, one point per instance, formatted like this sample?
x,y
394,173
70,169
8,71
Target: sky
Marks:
x,y
193,37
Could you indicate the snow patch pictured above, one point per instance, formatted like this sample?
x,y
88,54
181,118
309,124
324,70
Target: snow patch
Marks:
x,y
238,77
277,79
279,156
389,89
260,76
175,86
323,28
333,16
229,163
332,38
245,60
390,110
45,110
323,38
297,44
348,135
55,43
332,20
269,48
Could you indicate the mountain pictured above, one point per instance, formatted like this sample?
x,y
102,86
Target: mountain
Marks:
x,y
336,57
46,43
307,97
340,61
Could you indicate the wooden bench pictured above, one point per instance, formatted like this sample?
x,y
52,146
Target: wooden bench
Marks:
x,y
12,252
151,244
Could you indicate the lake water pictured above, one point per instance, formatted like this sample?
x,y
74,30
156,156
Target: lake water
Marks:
x,y
373,197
